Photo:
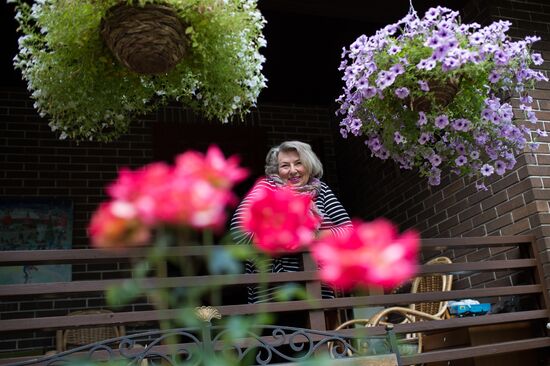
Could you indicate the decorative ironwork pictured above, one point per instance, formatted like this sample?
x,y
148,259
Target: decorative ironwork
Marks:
x,y
207,313
260,345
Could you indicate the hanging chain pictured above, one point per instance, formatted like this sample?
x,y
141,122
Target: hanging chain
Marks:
x,y
412,11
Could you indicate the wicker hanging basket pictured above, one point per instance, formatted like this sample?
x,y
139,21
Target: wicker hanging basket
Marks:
x,y
147,40
442,94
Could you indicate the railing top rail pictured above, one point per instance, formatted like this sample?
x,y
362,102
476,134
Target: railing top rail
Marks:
x,y
74,287
74,256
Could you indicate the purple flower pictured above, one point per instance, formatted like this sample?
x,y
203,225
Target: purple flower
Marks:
x,y
422,64
487,114
402,92
501,57
373,143
487,170
500,167
441,121
385,79
426,64
449,63
494,76
474,154
491,152
430,64
423,85
434,180
461,160
461,124
432,42
393,50
383,153
398,138
422,120
440,52
432,13
424,137
355,126
368,92
443,33
526,99
397,69
476,38
481,186
435,160
537,59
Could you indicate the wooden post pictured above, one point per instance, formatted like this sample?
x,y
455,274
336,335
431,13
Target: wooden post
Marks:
x,y
313,289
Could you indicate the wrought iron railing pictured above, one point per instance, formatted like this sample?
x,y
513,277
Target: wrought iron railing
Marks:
x,y
260,345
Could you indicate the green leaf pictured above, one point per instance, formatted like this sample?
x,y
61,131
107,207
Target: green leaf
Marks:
x,y
124,293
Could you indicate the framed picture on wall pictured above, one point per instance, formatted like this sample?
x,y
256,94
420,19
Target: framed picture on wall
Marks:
x,y
35,224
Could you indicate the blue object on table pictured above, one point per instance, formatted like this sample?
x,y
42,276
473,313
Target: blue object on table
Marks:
x,y
469,309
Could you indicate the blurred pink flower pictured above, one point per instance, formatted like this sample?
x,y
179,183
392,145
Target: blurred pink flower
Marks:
x,y
281,220
187,201
372,253
213,167
194,193
131,185
116,224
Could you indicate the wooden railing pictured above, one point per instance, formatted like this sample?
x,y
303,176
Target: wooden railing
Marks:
x,y
504,268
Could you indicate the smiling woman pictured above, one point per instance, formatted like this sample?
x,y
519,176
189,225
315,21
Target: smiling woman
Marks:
x,y
290,166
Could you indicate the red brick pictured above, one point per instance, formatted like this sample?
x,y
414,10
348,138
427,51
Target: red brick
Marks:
x,y
519,227
499,223
510,205
484,217
505,182
458,230
478,231
494,200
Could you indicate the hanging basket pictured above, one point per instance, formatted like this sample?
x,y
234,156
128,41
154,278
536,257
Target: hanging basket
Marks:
x,y
441,95
147,40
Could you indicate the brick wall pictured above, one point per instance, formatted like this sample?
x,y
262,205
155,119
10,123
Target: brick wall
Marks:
x,y
34,163
517,203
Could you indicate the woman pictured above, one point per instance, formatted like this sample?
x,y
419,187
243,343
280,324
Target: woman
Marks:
x,y
295,164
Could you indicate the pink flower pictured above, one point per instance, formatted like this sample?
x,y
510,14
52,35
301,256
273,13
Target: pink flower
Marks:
x,y
194,193
281,220
212,167
115,224
371,254
130,185
187,201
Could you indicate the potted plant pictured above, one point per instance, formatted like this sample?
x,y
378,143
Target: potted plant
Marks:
x,y
432,93
90,78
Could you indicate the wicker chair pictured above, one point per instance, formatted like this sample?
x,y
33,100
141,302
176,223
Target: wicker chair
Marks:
x,y
74,337
414,312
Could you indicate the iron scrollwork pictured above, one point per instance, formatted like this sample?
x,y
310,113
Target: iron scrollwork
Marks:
x,y
260,345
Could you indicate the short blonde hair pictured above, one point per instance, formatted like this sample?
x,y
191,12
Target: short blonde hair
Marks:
x,y
309,159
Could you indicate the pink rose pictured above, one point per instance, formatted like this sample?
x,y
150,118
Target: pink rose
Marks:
x,y
281,220
115,224
371,254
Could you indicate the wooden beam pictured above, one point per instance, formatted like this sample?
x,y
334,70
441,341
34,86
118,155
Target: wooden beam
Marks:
x,y
476,351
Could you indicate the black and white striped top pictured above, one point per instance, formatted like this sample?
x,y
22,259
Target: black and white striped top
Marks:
x,y
335,220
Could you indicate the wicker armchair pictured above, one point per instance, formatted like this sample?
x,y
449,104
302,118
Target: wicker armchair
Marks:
x,y
435,282
74,337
